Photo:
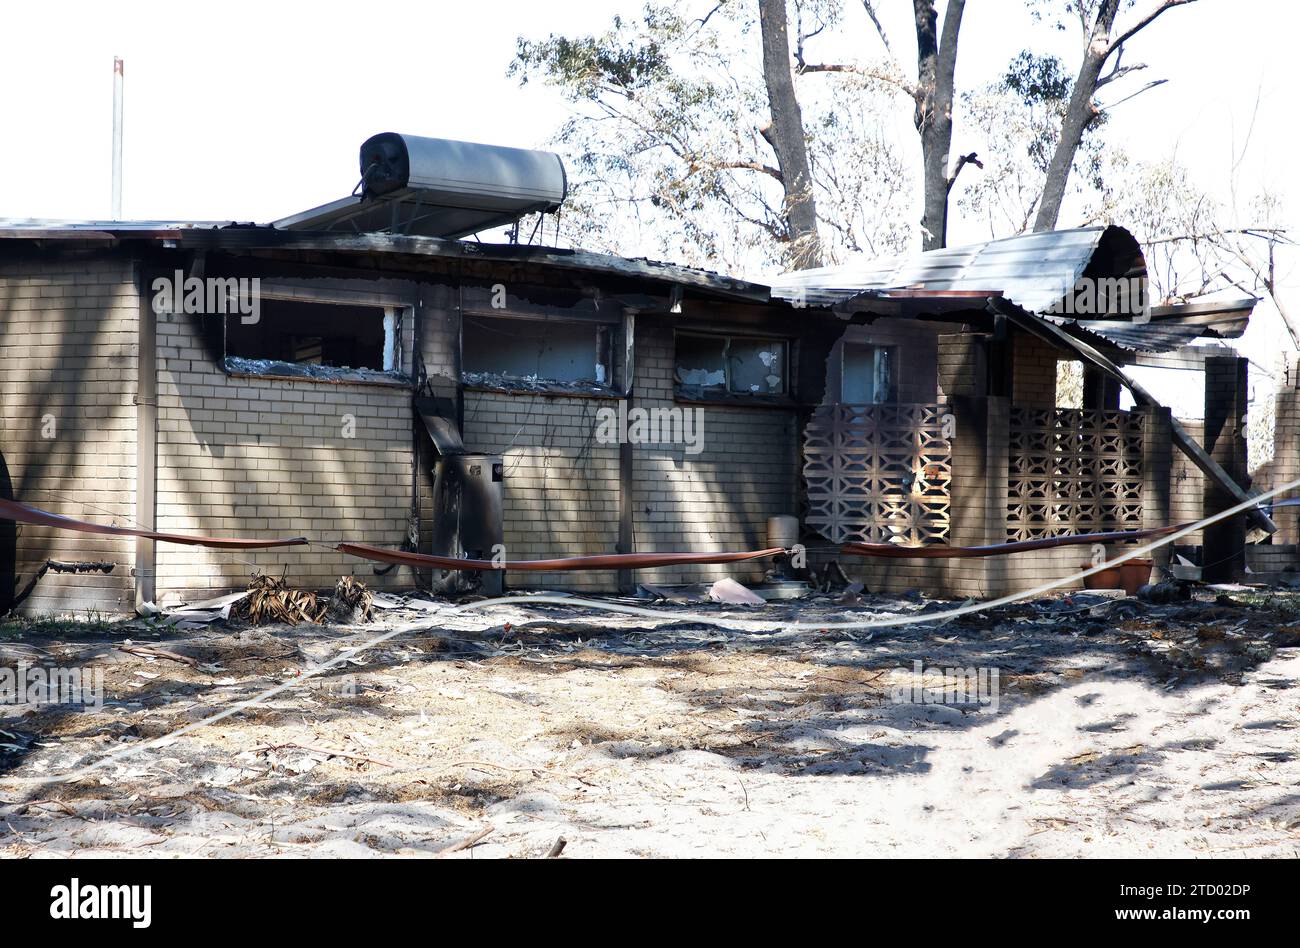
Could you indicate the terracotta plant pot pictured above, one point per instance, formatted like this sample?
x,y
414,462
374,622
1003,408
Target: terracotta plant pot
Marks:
x,y
1134,575
1129,576
1109,578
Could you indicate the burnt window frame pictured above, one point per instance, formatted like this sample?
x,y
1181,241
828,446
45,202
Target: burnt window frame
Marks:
x,y
694,393
281,370
507,384
894,352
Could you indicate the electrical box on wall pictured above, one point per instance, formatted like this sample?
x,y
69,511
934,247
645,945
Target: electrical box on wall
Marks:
x,y
468,513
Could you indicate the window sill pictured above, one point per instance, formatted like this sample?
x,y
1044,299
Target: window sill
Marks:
x,y
298,372
694,396
507,385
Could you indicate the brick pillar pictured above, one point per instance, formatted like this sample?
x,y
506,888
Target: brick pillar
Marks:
x,y
1224,552
1157,468
963,365
1286,450
979,489
1033,377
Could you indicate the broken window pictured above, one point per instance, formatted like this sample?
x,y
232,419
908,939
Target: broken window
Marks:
x,y
536,351
290,334
867,375
738,365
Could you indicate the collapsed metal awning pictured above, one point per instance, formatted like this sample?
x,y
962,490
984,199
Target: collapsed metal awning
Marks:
x,y
1142,337
1058,337
1174,325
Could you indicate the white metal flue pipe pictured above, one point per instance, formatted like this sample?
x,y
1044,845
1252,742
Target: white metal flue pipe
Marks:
x,y
118,70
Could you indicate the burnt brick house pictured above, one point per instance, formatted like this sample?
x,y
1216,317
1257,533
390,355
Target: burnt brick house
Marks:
x,y
911,401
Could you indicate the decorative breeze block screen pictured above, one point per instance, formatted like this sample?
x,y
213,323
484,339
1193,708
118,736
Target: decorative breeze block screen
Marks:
x,y
879,473
1073,471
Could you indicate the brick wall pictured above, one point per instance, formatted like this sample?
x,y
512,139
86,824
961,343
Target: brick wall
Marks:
x,y
1158,455
561,485
1285,466
439,316
1187,484
1226,400
267,457
720,498
259,457
68,369
963,364
1034,372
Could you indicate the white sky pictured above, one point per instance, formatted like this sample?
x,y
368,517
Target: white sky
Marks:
x,y
252,111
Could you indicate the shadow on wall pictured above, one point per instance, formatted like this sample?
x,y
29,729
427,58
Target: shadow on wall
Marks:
x,y
51,379
8,543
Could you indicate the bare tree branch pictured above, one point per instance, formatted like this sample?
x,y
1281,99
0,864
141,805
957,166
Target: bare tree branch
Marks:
x,y
870,7
1279,234
1117,70
758,166
704,20
962,162
1133,95
866,72
1144,23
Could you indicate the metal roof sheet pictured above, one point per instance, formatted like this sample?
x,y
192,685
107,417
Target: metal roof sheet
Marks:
x,y
1143,337
73,226
1034,271
228,235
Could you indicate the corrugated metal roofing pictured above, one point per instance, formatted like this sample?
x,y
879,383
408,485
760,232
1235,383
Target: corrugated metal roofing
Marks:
x,y
227,235
56,226
1143,337
1034,271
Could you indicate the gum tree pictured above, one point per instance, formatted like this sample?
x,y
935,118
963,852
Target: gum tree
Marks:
x,y
931,90
696,134
1104,43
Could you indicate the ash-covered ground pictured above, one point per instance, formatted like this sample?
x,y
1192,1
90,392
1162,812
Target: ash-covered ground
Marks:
x,y
1118,728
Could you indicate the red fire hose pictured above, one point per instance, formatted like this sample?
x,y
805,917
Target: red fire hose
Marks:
x,y
605,561
10,510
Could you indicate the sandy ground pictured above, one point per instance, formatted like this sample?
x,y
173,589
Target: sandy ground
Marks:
x,y
1121,729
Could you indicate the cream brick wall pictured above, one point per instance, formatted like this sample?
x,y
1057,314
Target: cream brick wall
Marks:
x,y
561,485
265,457
720,498
251,457
440,329
68,351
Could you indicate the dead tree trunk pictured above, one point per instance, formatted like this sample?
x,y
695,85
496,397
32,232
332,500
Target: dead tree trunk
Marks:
x,y
1077,116
1081,111
936,64
786,136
